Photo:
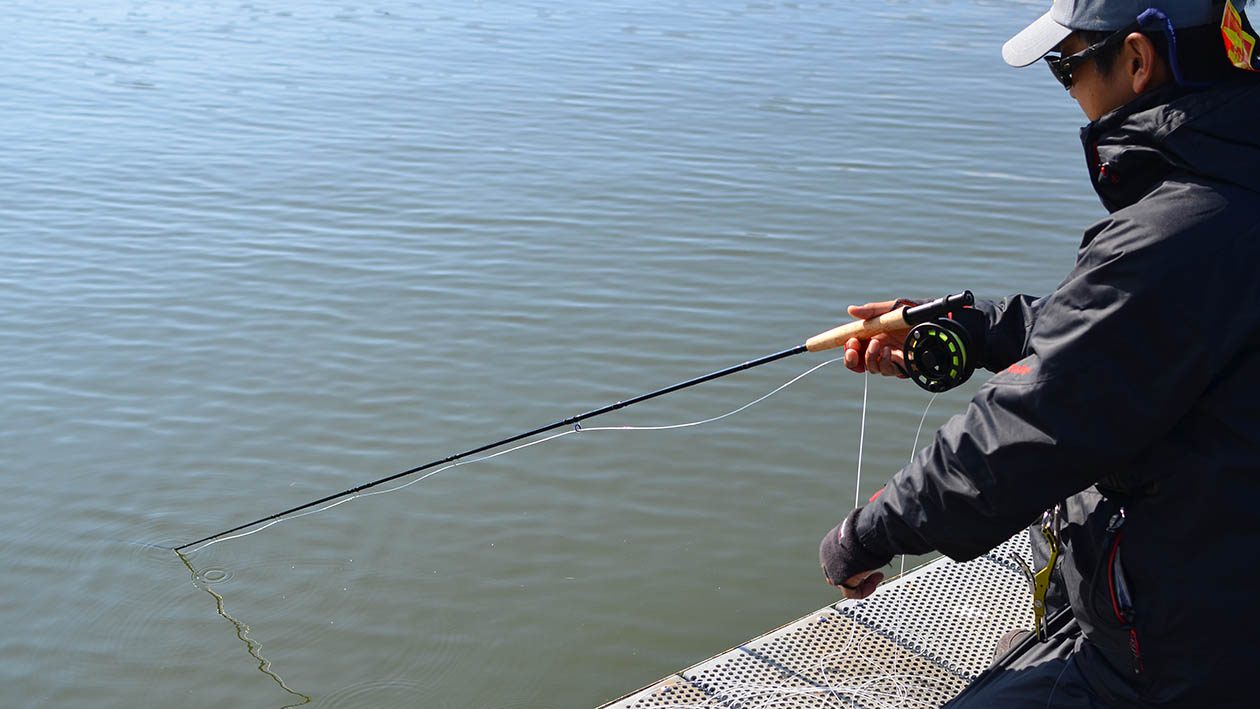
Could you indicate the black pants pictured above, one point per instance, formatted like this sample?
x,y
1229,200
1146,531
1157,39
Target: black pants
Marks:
x,y
1038,675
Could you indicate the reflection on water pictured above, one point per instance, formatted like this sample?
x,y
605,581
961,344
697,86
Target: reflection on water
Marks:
x,y
203,579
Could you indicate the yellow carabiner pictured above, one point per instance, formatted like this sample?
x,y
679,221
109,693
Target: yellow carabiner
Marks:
x,y
1039,582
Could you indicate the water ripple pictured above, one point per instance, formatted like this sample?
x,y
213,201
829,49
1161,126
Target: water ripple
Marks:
x,y
257,253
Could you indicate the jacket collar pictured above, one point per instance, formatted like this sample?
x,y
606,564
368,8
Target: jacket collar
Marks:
x,y
1204,133
1123,164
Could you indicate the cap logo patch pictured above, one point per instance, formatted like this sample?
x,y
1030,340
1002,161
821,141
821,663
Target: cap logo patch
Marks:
x,y
1240,44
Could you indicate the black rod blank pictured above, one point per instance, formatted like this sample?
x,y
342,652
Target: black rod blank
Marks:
x,y
572,420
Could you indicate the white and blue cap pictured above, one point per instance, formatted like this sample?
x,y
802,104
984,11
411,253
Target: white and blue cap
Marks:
x,y
1066,16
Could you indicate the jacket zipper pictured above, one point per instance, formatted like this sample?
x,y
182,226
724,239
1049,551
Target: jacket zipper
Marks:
x,y
1121,600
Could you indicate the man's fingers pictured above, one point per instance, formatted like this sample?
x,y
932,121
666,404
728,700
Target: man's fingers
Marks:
x,y
870,310
877,355
858,586
861,585
880,354
874,347
897,364
892,362
881,358
853,358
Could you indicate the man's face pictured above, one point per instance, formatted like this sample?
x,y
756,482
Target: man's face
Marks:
x,y
1097,94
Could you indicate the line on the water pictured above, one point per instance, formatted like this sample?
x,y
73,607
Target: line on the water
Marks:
x,y
242,632
142,544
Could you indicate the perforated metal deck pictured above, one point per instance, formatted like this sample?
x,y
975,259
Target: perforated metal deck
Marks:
x,y
916,642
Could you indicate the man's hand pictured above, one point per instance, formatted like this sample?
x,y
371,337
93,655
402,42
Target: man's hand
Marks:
x,y
846,563
859,586
881,354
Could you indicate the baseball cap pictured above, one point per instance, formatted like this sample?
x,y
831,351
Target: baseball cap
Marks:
x,y
1065,16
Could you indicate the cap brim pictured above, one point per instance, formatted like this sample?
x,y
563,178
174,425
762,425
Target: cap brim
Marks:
x,y
1035,41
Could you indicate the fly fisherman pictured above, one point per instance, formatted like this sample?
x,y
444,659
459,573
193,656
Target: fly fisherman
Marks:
x,y
1124,417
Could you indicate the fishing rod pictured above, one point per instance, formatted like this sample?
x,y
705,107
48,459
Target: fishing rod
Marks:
x,y
936,360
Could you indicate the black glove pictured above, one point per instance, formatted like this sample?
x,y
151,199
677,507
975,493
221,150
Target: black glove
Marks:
x,y
842,556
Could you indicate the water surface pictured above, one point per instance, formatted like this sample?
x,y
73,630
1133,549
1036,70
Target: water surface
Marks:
x,y
258,252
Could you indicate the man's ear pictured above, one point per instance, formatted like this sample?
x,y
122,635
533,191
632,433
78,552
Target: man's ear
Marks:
x,y
1142,65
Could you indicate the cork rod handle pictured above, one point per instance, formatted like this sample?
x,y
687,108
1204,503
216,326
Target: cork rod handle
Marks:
x,y
862,329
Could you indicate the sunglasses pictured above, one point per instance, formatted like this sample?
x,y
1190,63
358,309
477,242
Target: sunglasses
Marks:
x,y
1062,67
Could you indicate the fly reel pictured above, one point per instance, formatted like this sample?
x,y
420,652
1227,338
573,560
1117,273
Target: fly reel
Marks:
x,y
937,354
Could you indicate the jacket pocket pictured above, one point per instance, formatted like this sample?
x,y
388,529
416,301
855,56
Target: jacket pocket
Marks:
x,y
1121,597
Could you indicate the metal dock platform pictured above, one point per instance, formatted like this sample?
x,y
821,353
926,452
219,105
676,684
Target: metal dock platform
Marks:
x,y
916,642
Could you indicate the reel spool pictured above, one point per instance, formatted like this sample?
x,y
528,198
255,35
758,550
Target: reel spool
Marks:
x,y
937,354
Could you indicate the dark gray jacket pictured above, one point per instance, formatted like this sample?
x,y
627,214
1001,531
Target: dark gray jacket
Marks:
x,y
1137,378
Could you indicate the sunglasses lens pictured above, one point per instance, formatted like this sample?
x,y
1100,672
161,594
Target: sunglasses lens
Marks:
x,y
1062,73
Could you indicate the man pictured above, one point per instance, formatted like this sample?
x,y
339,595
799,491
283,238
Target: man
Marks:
x,y
1128,399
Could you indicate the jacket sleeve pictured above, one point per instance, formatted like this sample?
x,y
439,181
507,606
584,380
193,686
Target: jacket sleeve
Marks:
x,y
1005,326
1116,356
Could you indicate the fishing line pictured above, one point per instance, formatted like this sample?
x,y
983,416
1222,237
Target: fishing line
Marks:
x,y
344,500
781,387
857,488
571,421
882,686
870,689
242,632
901,318
578,428
914,449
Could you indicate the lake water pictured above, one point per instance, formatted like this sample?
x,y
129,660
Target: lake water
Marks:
x,y
255,253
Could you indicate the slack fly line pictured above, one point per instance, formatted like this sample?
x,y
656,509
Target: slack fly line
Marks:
x,y
899,319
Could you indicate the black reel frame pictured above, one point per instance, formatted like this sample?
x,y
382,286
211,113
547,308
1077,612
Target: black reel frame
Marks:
x,y
937,354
